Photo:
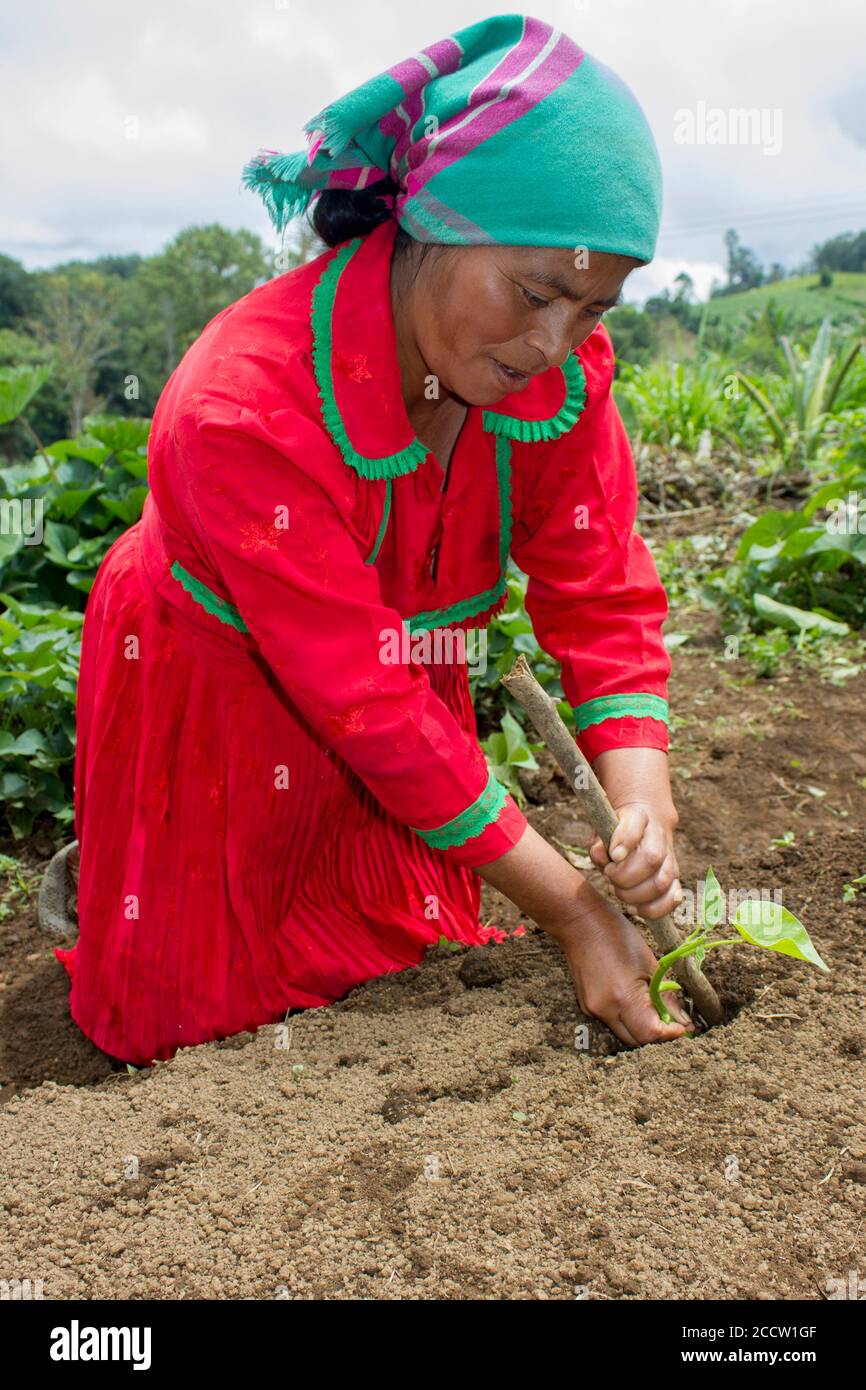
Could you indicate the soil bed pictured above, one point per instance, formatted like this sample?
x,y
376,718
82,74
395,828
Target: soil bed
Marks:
x,y
438,1135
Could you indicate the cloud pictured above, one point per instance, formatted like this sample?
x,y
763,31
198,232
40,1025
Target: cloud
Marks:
x,y
663,271
122,124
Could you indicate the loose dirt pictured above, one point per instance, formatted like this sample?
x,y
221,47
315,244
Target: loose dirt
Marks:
x,y
438,1135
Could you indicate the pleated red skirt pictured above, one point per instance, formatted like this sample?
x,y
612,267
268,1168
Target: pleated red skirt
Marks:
x,y
206,904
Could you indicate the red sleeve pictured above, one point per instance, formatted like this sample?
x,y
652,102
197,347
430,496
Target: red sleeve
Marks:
x,y
285,559
594,595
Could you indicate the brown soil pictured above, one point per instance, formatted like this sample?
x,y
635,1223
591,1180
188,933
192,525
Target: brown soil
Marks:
x,y
437,1134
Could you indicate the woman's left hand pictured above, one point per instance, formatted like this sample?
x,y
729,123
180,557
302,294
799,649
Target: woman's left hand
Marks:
x,y
642,865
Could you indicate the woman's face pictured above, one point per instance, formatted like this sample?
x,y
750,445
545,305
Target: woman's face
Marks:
x,y
523,307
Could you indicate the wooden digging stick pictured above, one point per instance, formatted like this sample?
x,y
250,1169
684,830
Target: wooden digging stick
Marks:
x,y
541,708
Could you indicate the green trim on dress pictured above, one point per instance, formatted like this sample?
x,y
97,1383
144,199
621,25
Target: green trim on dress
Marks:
x,y
535,431
383,526
211,602
391,465
637,706
485,809
505,428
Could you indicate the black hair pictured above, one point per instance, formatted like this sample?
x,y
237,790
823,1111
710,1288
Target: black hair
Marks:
x,y
342,213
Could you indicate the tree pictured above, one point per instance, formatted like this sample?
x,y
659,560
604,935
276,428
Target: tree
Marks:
x,y
171,298
634,335
685,291
76,323
744,268
845,252
678,306
197,275
17,293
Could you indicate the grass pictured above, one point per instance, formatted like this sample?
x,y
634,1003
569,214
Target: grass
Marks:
x,y
802,298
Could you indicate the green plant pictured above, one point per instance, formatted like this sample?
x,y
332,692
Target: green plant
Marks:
x,y
20,884
18,386
510,635
797,422
88,490
674,403
507,750
84,493
784,841
446,944
38,678
850,890
796,573
758,922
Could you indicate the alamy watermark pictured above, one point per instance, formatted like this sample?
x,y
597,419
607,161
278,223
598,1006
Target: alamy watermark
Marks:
x,y
846,516
714,125
854,1287
441,646
18,1290
22,516
690,910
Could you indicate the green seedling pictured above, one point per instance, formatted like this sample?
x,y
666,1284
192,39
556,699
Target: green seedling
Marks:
x,y
759,923
445,944
784,841
850,890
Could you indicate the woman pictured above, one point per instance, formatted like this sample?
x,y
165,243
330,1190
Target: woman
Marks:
x,y
271,805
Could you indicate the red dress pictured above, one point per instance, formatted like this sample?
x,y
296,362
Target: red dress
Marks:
x,y
279,791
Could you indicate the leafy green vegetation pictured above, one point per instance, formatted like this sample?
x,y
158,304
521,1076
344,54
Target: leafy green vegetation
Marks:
x,y
814,382
61,509
803,570
675,403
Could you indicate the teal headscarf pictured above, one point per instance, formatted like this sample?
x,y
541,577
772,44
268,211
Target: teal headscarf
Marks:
x,y
506,132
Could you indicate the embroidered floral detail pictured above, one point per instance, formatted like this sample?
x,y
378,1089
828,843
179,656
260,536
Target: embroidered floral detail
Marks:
x,y
480,604
354,367
637,706
259,535
533,431
391,465
211,602
485,809
351,721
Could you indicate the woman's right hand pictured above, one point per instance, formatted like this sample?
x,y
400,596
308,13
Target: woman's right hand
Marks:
x,y
610,963
611,966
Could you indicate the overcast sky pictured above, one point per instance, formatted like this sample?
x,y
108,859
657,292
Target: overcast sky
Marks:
x,y
122,124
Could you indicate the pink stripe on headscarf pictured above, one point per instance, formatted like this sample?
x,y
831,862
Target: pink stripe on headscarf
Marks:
x,y
314,149
411,73
357,177
399,127
530,44
413,77
495,108
528,48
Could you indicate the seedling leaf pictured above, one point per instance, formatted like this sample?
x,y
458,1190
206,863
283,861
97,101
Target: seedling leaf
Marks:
x,y
768,924
713,905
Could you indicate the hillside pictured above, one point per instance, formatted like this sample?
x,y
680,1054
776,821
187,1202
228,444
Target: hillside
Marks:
x,y
802,298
